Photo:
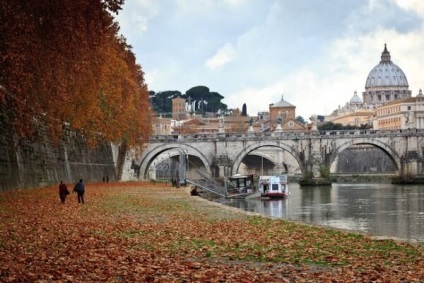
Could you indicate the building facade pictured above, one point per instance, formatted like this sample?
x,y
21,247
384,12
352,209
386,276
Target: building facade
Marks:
x,y
407,113
281,111
179,108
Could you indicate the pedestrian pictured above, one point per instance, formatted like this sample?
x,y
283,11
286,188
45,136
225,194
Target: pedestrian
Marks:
x,y
63,191
80,189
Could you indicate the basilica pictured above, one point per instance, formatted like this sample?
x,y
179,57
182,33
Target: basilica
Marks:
x,y
387,103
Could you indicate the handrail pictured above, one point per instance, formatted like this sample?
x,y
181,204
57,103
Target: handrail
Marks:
x,y
206,188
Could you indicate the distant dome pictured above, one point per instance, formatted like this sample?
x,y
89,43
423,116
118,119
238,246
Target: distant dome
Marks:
x,y
355,99
386,74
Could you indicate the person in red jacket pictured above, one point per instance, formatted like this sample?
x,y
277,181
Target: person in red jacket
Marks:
x,y
63,191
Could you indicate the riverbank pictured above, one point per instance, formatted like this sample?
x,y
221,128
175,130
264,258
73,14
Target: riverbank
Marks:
x,y
138,232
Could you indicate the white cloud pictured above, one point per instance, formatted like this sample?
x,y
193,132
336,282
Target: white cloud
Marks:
x,y
136,15
315,53
412,5
223,56
235,2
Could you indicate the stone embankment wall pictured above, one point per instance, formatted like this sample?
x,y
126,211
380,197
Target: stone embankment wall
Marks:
x,y
29,163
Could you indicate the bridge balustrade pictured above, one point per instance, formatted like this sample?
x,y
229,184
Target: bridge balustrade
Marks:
x,y
283,135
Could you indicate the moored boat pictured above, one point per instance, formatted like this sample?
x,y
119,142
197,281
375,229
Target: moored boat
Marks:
x,y
274,186
240,186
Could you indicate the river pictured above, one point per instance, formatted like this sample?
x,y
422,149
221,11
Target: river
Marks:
x,y
383,210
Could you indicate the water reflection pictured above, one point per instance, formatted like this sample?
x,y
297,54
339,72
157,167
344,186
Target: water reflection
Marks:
x,y
378,209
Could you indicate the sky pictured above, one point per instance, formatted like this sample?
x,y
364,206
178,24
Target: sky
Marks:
x,y
315,54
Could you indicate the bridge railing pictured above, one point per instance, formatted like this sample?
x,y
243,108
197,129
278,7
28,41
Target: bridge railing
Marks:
x,y
283,135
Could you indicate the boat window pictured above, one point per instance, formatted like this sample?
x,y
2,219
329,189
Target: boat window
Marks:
x,y
275,187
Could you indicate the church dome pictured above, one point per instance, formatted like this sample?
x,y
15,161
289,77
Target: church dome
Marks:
x,y
355,99
386,74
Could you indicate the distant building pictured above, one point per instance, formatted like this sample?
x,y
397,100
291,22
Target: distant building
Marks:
x,y
353,109
355,119
179,111
406,113
282,110
161,126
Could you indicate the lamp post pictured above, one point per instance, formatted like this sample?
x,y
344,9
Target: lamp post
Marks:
x,y
170,166
188,164
262,165
160,169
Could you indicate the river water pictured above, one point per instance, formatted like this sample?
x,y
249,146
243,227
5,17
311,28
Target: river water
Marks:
x,y
383,210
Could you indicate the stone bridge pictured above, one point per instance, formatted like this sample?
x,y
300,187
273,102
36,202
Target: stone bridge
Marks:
x,y
221,154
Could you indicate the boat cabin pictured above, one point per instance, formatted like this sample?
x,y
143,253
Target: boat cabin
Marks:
x,y
241,184
273,186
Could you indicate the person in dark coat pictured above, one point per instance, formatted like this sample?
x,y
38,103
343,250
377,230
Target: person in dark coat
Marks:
x,y
80,189
63,191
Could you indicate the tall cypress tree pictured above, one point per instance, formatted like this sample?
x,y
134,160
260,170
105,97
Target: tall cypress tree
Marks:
x,y
244,110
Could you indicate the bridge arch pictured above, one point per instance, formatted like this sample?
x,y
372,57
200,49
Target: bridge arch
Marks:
x,y
391,153
246,150
150,156
264,156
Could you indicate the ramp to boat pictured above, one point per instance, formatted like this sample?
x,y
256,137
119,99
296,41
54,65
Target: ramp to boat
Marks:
x,y
208,184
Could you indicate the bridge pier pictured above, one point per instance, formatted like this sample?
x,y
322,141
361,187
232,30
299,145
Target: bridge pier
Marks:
x,y
410,167
411,161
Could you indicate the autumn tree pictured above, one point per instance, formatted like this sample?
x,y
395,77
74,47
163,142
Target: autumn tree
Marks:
x,y
63,63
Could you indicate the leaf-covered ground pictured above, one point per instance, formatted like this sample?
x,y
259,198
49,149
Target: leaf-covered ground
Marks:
x,y
139,232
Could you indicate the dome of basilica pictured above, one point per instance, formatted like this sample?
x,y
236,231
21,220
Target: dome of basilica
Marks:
x,y
386,82
386,74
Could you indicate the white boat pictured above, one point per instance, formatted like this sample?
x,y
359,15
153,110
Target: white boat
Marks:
x,y
274,186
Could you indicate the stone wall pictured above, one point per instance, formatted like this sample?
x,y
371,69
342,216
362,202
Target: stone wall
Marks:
x,y
29,163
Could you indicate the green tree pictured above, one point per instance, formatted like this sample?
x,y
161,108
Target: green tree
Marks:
x,y
330,126
205,100
244,110
300,119
162,101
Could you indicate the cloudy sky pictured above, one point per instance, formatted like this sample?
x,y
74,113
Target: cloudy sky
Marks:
x,y
314,53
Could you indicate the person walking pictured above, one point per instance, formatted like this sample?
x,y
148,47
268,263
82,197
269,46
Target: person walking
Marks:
x,y
80,189
63,191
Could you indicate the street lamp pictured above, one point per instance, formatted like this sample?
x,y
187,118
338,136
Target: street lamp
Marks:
x,y
188,162
262,165
169,165
161,166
